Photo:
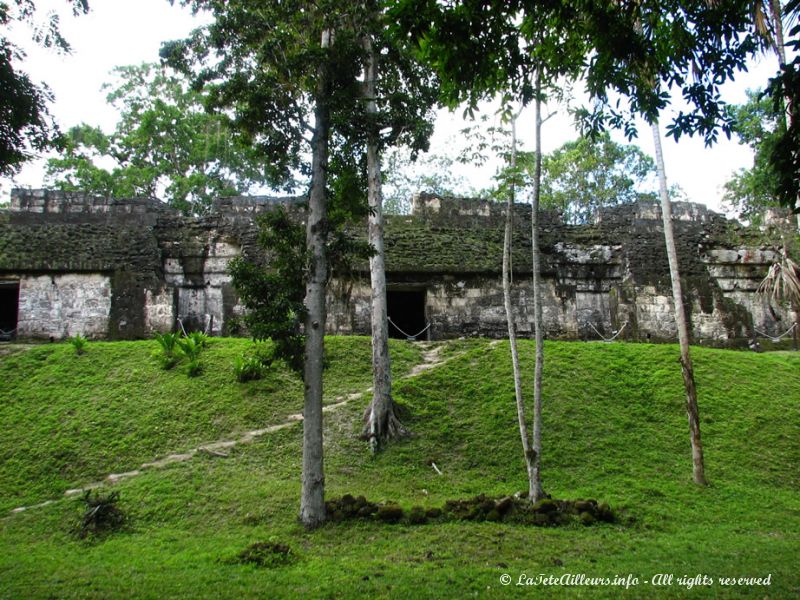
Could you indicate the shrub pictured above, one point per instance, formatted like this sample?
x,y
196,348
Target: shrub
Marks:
x,y
194,368
247,368
79,343
190,348
200,338
168,347
168,342
101,514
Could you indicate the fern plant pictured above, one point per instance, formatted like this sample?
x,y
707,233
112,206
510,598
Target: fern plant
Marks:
x,y
200,338
248,368
79,343
168,346
191,347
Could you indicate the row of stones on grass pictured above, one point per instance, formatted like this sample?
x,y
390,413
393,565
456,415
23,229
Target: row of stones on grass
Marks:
x,y
510,509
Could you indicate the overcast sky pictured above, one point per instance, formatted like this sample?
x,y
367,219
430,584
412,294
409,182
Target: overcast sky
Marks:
x,y
124,32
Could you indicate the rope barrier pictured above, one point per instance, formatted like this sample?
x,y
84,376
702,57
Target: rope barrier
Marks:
x,y
774,339
410,338
182,328
613,337
206,329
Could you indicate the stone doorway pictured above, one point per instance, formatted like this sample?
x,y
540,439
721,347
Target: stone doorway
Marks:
x,y
9,309
406,310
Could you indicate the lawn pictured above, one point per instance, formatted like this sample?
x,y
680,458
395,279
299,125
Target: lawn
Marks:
x,y
614,429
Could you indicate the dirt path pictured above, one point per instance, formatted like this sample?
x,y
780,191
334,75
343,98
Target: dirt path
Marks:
x,y
431,358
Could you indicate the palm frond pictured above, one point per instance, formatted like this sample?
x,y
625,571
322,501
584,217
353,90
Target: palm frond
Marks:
x,y
782,282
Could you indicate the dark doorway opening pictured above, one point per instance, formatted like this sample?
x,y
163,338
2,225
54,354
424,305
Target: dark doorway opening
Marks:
x,y
9,309
406,310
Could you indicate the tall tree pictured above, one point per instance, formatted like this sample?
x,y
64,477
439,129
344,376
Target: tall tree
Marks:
x,y
25,122
165,143
585,174
286,69
768,18
632,49
538,324
398,96
687,369
380,420
534,482
705,47
480,50
759,125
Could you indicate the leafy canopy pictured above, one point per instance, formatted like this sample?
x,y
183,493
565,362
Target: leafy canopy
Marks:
x,y
261,62
584,175
25,122
759,125
785,91
165,144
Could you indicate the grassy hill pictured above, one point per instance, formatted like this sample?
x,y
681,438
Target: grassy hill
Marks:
x,y
615,429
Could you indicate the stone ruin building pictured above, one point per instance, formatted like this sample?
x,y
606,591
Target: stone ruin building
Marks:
x,y
123,269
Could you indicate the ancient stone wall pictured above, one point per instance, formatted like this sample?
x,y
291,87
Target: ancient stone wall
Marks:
x,y
64,305
126,268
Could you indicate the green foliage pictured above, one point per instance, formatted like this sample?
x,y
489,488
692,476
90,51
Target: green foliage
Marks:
x,y
190,347
165,143
168,347
759,125
78,342
650,50
586,174
263,63
784,89
199,338
274,294
25,123
194,367
248,368
173,347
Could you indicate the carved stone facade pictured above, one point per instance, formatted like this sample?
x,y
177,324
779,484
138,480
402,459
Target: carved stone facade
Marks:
x,y
126,268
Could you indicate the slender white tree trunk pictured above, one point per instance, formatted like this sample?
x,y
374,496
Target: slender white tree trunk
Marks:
x,y
692,410
538,328
312,500
380,421
512,333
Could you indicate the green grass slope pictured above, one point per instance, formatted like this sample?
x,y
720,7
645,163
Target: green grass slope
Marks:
x,y
614,429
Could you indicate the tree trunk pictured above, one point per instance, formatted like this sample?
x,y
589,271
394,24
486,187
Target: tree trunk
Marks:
x,y
380,421
698,469
537,301
312,500
778,45
512,334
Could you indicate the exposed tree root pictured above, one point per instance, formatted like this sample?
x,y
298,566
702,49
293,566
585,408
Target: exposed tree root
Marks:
x,y
382,426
